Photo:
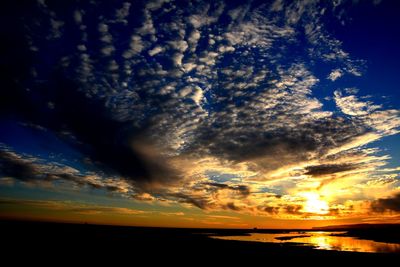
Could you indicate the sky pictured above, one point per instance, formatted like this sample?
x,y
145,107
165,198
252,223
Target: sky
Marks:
x,y
228,114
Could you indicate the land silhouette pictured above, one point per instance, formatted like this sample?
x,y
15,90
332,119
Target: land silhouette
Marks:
x,y
42,241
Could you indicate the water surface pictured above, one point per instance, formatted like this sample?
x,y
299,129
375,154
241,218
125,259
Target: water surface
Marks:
x,y
320,240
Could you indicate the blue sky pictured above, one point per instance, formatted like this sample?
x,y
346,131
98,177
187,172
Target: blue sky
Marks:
x,y
277,110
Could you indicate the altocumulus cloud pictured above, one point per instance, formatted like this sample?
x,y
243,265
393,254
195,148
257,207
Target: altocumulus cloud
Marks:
x,y
156,94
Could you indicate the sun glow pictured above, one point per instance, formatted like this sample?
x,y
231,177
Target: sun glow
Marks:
x,y
314,204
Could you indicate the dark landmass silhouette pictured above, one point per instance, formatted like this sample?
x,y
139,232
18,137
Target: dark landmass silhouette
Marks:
x,y
37,242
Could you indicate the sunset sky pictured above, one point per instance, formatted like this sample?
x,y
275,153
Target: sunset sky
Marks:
x,y
236,114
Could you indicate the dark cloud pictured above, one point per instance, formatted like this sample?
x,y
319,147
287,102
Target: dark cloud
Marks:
x,y
387,204
13,166
217,185
327,169
274,147
334,211
204,201
29,169
270,210
201,202
293,209
243,190
32,170
232,206
108,143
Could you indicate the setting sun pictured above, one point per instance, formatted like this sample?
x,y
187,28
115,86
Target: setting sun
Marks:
x,y
314,204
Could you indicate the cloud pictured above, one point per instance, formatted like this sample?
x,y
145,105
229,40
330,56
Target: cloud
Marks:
x,y
177,59
155,50
172,213
33,170
335,74
155,4
106,210
293,209
106,38
16,167
78,16
241,189
387,204
383,121
122,14
199,202
327,169
56,26
193,39
157,97
136,46
179,45
350,105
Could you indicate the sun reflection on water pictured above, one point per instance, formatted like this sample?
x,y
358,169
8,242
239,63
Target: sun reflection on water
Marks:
x,y
320,240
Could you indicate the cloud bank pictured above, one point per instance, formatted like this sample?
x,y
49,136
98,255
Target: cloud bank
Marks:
x,y
159,95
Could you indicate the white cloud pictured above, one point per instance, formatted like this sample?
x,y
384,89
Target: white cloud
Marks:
x,y
351,105
155,4
147,26
197,95
335,74
107,50
256,30
103,28
156,50
209,58
122,13
177,59
239,11
223,48
277,5
193,39
56,26
81,47
180,45
354,70
106,38
203,18
136,47
78,16
189,66
113,66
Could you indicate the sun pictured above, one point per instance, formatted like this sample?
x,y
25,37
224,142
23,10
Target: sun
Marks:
x,y
314,204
